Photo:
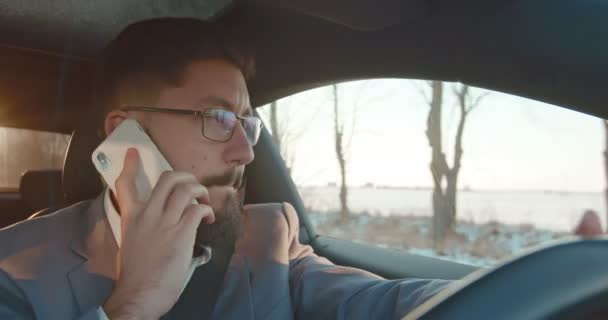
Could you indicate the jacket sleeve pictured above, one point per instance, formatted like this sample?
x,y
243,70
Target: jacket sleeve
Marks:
x,y
323,290
15,305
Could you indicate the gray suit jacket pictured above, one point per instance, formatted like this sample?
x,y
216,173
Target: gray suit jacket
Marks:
x,y
62,266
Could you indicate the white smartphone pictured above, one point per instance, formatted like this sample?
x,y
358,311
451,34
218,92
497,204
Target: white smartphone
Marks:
x,y
109,157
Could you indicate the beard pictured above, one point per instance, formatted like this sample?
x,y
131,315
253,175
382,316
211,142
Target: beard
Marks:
x,y
224,232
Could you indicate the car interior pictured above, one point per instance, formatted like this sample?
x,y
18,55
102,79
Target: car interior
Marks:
x,y
552,51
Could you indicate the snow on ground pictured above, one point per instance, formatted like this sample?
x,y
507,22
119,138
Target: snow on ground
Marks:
x,y
557,211
476,244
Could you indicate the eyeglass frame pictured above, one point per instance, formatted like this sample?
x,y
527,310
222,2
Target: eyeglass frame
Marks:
x,y
197,113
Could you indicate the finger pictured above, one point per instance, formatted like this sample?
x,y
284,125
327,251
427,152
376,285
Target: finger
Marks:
x,y
194,215
204,199
126,190
164,186
181,197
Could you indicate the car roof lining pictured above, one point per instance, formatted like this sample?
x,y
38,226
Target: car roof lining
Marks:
x,y
361,15
529,48
82,28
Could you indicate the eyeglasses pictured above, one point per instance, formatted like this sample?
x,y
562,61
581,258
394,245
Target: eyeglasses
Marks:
x,y
217,124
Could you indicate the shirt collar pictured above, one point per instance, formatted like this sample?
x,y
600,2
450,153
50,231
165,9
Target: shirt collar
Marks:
x,y
114,220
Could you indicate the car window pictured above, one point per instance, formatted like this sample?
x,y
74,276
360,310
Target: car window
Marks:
x,y
22,150
390,162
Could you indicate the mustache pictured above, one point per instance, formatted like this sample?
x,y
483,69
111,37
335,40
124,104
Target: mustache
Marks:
x,y
228,178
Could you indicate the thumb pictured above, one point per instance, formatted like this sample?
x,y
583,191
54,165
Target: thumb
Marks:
x,y
126,189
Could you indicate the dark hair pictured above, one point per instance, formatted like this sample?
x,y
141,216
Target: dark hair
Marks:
x,y
150,54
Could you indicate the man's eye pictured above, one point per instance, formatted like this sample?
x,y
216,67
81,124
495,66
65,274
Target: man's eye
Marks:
x,y
224,118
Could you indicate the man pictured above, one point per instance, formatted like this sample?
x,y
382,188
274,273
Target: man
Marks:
x,y
121,257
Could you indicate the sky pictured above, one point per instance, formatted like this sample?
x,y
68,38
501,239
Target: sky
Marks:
x,y
510,143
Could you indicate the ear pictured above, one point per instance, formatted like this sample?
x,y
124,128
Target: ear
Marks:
x,y
113,119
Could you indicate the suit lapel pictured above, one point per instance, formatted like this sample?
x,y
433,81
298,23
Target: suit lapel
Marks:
x,y
93,279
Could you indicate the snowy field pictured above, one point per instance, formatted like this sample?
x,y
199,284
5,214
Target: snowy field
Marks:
x,y
492,226
544,210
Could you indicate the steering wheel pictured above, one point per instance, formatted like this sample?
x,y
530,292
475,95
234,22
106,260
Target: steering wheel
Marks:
x,y
568,280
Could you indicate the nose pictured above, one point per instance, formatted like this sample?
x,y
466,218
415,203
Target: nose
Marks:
x,y
239,151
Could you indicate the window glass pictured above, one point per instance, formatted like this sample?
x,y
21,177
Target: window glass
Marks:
x,y
22,150
515,173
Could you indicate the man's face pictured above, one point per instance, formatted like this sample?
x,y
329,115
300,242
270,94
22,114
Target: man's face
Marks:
x,y
217,165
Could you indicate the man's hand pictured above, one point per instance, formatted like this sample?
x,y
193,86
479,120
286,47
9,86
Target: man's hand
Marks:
x,y
264,223
157,240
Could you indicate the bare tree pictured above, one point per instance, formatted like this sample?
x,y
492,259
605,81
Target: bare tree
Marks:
x,y
340,153
278,135
274,125
445,178
283,135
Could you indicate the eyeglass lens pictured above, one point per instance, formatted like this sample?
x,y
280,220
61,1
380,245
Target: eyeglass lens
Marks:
x,y
218,125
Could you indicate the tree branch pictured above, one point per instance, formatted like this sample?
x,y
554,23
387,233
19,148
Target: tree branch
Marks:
x,y
422,91
477,101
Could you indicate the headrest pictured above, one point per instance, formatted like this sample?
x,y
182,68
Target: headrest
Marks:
x,y
80,179
41,189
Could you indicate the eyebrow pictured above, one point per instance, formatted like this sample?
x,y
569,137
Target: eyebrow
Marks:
x,y
221,102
